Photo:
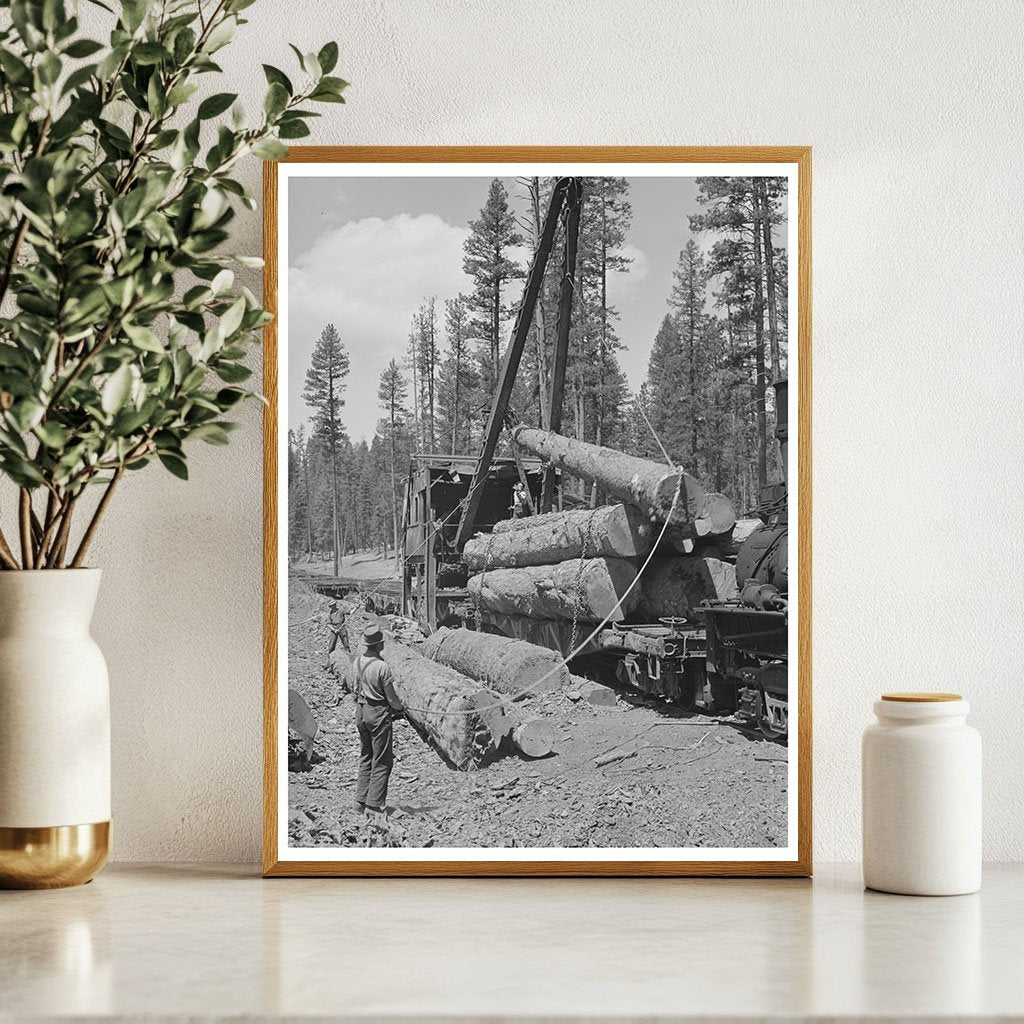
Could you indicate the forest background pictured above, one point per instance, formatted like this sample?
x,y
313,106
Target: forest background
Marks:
x,y
706,398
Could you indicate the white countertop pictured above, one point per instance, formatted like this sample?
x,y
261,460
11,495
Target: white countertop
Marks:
x,y
181,941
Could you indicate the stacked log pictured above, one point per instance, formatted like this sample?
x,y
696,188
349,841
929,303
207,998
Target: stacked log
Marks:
x,y
463,719
613,531
590,589
513,667
675,585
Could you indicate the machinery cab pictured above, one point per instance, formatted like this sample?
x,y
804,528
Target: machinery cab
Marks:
x,y
434,576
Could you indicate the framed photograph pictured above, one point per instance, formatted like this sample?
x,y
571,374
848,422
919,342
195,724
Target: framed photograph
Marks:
x,y
538,511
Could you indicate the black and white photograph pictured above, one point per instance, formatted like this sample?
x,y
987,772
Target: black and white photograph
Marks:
x,y
535,438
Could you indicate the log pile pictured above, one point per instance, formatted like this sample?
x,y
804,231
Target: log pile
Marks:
x,y
537,575
466,721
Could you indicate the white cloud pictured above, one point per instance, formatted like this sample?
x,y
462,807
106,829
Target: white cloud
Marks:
x,y
368,277
626,286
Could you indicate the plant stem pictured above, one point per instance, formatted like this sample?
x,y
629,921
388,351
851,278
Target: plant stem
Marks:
x,y
6,555
60,543
25,523
87,357
54,509
94,523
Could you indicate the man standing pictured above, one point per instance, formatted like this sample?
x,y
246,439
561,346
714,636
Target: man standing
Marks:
x,y
376,705
336,624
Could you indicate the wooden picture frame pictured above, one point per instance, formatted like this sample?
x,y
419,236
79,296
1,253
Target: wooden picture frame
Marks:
x,y
799,861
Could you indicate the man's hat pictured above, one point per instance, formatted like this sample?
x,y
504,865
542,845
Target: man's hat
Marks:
x,y
372,636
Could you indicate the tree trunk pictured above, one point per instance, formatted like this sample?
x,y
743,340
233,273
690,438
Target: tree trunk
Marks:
x,y
334,498
394,490
759,387
552,591
309,507
465,721
413,357
648,485
455,397
773,306
541,317
612,531
512,667
495,328
692,333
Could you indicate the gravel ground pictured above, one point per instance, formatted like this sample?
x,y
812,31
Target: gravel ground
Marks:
x,y
691,780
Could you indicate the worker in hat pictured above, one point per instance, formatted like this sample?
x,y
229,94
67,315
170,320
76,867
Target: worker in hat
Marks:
x,y
377,705
335,623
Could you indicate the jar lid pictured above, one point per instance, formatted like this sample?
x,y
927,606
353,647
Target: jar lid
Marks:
x,y
921,698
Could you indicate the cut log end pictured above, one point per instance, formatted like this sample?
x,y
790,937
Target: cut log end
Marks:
x,y
534,737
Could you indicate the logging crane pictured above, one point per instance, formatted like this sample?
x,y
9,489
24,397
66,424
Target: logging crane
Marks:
x,y
728,655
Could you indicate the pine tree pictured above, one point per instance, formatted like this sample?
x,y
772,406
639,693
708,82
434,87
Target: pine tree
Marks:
x,y
323,391
689,294
300,530
427,365
668,407
458,379
392,394
488,261
607,217
734,209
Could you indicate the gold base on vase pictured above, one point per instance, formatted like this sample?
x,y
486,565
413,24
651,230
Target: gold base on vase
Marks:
x,y
53,857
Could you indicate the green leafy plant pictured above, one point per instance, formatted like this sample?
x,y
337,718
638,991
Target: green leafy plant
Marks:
x,y
123,334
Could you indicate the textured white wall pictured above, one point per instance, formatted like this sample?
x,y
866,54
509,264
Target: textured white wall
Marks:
x,y
913,110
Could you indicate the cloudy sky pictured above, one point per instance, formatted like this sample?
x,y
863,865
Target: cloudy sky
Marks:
x,y
364,253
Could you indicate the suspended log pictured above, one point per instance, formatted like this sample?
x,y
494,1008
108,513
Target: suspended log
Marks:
x,y
613,531
650,486
598,585
464,720
512,667
674,585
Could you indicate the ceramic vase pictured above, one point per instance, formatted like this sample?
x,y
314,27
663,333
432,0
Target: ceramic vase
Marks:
x,y
921,771
54,731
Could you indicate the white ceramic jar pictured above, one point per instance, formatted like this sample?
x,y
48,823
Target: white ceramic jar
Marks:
x,y
921,779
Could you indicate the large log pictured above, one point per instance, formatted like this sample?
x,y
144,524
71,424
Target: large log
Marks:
x,y
682,539
464,720
512,667
674,585
612,531
649,485
552,591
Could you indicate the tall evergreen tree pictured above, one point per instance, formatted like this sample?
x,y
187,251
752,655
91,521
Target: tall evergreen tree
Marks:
x,y
668,406
607,218
428,361
392,393
324,390
734,208
488,260
689,294
458,380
